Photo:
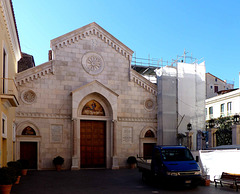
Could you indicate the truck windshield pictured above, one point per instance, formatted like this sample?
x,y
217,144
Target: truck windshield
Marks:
x,y
176,155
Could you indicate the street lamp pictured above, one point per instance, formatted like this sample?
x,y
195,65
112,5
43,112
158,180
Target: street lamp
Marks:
x,y
189,126
211,123
236,118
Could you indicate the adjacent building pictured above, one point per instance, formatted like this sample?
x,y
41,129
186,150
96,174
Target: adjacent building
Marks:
x,y
226,103
215,85
10,53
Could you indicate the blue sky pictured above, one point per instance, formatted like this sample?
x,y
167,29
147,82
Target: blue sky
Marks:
x,y
155,28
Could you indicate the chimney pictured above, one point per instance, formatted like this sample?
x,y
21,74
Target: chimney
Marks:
x,y
50,55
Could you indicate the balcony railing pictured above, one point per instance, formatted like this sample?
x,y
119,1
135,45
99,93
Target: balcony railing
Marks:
x,y
8,91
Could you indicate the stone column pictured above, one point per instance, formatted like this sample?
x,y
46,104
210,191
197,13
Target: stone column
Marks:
x,y
115,159
236,134
75,159
212,137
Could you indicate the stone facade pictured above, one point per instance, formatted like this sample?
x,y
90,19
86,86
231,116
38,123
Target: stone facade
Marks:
x,y
88,64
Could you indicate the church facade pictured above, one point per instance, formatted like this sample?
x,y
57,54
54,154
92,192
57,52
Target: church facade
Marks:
x,y
85,104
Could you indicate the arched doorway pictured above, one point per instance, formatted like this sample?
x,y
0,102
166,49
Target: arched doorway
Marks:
x,y
28,138
95,132
147,141
28,150
82,112
93,137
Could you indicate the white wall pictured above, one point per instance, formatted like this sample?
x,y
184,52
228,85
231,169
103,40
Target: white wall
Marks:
x,y
215,102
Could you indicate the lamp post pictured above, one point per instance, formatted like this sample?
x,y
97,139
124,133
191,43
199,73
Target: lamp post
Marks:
x,y
189,128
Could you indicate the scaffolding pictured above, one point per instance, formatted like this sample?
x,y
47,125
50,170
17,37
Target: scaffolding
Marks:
x,y
147,66
181,95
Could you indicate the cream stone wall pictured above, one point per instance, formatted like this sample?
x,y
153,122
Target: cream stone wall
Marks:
x,y
88,64
8,98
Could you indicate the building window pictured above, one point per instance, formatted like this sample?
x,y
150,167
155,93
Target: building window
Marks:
x,y
4,125
222,110
215,79
215,89
210,112
229,108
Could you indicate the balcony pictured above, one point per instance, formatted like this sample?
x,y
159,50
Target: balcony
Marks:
x,y
8,92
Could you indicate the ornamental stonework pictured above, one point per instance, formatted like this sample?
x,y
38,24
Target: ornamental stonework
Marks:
x,y
92,63
28,96
149,104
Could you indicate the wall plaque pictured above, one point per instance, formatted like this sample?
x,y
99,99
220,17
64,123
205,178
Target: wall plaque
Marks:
x,y
56,133
127,135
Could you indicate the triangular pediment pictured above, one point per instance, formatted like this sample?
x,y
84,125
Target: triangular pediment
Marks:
x,y
95,84
92,29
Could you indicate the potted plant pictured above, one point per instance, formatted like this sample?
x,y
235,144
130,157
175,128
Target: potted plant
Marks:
x,y
25,166
206,177
18,168
7,178
58,162
132,161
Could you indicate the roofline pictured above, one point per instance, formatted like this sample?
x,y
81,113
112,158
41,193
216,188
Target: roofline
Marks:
x,y
14,19
216,77
91,29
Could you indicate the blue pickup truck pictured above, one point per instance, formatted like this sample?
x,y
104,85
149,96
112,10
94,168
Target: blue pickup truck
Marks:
x,y
171,164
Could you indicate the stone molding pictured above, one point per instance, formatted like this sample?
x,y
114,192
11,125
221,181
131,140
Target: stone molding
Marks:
x,y
42,115
143,82
34,73
9,21
92,29
137,119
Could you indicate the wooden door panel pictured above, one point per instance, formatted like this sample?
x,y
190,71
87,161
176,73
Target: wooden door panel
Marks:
x,y
28,151
147,150
93,144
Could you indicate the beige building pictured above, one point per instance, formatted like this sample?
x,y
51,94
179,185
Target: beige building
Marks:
x,y
86,104
10,53
215,85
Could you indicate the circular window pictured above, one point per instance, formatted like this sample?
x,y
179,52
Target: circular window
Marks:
x,y
28,96
149,104
92,63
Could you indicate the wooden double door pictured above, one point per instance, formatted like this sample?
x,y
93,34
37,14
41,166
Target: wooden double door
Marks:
x,y
93,144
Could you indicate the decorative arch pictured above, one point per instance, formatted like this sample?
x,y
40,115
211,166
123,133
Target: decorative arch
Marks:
x,y
94,104
150,134
28,131
23,125
93,107
148,138
149,130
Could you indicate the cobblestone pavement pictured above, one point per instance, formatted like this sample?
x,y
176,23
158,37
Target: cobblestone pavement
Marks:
x,y
99,181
